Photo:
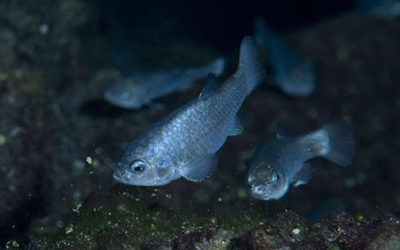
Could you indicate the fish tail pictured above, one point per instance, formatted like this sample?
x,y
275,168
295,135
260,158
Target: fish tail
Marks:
x,y
265,37
250,69
262,33
341,142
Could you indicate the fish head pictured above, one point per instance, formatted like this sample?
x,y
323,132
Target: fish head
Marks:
x,y
300,81
266,181
125,93
142,166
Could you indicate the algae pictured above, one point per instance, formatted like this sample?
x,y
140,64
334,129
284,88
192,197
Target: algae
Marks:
x,y
123,217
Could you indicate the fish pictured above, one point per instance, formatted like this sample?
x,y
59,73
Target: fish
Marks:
x,y
281,162
184,144
381,8
143,87
295,75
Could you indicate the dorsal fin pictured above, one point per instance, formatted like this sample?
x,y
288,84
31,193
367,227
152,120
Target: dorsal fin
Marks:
x,y
211,86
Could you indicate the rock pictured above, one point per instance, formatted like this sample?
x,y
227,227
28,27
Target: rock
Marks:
x,y
385,233
280,232
20,165
206,238
37,42
335,231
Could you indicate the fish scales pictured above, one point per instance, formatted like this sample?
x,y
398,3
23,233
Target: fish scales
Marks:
x,y
283,161
143,87
185,142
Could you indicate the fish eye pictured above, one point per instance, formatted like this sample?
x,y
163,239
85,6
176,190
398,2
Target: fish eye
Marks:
x,y
275,177
137,166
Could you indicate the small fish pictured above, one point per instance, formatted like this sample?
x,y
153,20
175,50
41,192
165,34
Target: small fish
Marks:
x,y
281,162
185,142
381,8
294,75
141,88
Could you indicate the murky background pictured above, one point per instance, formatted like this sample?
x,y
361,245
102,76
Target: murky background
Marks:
x,y
59,140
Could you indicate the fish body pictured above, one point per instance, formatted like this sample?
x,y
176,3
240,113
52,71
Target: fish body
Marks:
x,y
141,88
282,161
185,142
294,74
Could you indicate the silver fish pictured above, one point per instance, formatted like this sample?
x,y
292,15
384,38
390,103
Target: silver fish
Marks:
x,y
294,74
141,88
281,162
185,142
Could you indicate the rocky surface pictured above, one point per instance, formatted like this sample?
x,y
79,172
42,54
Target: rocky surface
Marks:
x,y
59,142
19,165
339,231
36,40
285,230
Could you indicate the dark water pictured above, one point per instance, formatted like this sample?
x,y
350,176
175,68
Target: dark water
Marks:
x,y
59,140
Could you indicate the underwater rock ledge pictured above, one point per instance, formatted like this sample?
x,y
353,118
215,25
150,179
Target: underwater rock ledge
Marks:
x,y
130,225
289,231
126,218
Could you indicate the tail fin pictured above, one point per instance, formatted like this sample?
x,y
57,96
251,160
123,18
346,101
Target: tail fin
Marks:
x,y
265,37
250,68
342,142
261,32
217,66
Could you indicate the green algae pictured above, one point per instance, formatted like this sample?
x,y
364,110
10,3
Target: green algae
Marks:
x,y
360,218
12,244
122,217
3,139
28,82
271,231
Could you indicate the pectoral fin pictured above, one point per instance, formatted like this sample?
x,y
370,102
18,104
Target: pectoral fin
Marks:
x,y
303,176
237,126
201,168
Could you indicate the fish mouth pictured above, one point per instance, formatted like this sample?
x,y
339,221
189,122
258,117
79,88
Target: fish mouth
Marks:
x,y
117,176
110,98
262,192
260,196
268,194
